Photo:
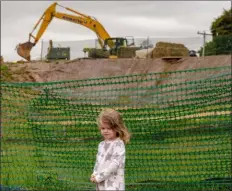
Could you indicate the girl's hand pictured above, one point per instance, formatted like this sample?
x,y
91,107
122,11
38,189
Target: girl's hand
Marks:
x,y
92,179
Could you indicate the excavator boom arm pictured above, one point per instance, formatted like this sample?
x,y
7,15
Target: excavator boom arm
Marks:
x,y
46,19
89,22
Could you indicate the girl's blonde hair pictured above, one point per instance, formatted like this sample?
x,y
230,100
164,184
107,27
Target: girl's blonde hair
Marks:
x,y
114,120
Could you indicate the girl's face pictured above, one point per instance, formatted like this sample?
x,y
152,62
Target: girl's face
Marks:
x,y
107,132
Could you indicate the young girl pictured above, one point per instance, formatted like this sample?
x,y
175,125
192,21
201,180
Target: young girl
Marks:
x,y
110,160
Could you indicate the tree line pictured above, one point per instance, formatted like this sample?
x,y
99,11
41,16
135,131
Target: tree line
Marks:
x,y
221,30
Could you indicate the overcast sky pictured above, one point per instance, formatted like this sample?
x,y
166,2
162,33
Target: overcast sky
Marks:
x,y
171,19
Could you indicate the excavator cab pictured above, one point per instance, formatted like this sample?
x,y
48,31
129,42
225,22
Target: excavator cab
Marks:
x,y
118,43
113,48
120,48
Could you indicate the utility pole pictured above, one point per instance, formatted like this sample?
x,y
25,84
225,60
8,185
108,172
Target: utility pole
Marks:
x,y
147,45
204,35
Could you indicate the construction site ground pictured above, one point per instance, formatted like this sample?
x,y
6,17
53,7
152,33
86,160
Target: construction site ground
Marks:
x,y
77,69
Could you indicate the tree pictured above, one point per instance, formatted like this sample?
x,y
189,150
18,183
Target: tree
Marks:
x,y
209,49
221,29
223,24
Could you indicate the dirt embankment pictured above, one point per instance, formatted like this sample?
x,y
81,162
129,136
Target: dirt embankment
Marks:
x,y
84,68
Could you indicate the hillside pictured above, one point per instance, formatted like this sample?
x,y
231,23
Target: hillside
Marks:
x,y
84,68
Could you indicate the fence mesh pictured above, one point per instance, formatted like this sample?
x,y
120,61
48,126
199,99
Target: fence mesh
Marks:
x,y
180,124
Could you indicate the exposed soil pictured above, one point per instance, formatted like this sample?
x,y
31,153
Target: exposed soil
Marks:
x,y
85,68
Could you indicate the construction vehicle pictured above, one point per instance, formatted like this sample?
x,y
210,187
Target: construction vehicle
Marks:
x,y
121,49
57,53
91,23
192,53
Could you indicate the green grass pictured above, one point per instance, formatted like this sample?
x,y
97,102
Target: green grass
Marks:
x,y
171,163
6,75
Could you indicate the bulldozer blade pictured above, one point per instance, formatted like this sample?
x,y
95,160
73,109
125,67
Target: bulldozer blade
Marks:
x,y
24,50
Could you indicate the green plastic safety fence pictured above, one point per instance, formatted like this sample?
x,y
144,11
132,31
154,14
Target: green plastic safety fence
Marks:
x,y
180,124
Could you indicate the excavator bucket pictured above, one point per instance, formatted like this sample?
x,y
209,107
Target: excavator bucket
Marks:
x,y
24,50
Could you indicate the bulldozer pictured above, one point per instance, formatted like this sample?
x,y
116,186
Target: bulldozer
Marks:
x,y
57,53
119,50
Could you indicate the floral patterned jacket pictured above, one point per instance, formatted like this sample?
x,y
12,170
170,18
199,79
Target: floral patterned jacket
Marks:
x,y
110,165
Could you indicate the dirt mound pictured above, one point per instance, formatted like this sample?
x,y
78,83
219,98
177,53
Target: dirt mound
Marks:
x,y
84,68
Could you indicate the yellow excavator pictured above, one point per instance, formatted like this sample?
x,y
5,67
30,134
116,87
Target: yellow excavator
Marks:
x,y
117,47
